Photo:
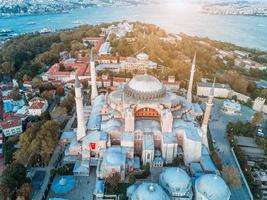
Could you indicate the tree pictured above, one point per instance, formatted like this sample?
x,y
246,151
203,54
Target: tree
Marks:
x,y
132,179
4,191
85,84
68,102
59,115
47,95
231,176
36,83
217,160
113,181
37,143
257,118
45,116
8,150
60,91
24,191
14,175
15,95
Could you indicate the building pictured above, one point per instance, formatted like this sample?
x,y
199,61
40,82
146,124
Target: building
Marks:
x,y
66,70
146,191
140,63
211,187
249,64
119,30
141,118
177,183
241,54
258,104
138,119
11,127
250,149
231,107
109,59
37,106
104,49
220,90
261,178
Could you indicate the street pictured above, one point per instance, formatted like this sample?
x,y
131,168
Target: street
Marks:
x,y
217,125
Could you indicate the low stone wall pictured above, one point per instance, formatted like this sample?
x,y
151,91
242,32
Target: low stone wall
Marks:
x,y
240,97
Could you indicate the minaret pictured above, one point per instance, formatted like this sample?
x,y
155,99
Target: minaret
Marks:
x,y
206,117
94,93
190,85
79,109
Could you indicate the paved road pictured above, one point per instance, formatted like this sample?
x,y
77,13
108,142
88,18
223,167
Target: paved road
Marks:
x,y
218,123
52,163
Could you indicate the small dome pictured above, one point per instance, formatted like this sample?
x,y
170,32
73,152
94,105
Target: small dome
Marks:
x,y
142,56
145,87
212,187
151,191
175,179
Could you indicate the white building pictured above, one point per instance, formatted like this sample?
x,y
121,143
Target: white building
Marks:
x,y
258,104
119,30
37,106
11,127
231,107
139,64
220,90
139,119
211,187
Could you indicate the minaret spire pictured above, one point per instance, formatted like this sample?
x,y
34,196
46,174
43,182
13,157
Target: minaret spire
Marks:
x,y
94,92
81,132
206,117
191,80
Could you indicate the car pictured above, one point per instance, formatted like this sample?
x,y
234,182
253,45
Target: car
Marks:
x,y
214,141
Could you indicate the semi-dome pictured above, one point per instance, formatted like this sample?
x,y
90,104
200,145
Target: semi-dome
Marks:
x,y
212,187
151,191
176,181
114,156
145,87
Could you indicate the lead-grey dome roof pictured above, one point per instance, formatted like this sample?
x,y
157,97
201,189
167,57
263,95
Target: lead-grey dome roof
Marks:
x,y
145,87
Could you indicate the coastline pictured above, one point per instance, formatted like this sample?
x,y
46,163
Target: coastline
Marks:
x,y
246,31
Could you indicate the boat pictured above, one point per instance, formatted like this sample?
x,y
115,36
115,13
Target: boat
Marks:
x,y
8,30
31,23
45,30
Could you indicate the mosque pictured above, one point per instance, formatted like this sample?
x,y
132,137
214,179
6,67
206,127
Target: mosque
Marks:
x,y
139,122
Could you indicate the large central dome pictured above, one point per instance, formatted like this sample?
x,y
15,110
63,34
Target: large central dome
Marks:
x,y
145,87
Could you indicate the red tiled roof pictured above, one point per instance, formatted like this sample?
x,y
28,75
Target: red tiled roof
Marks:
x,y
8,116
27,82
10,124
80,69
83,60
37,105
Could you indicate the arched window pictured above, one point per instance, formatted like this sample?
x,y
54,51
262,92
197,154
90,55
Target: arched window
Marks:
x,y
146,112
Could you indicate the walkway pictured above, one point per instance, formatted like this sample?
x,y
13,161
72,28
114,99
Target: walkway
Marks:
x,y
52,163
218,123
